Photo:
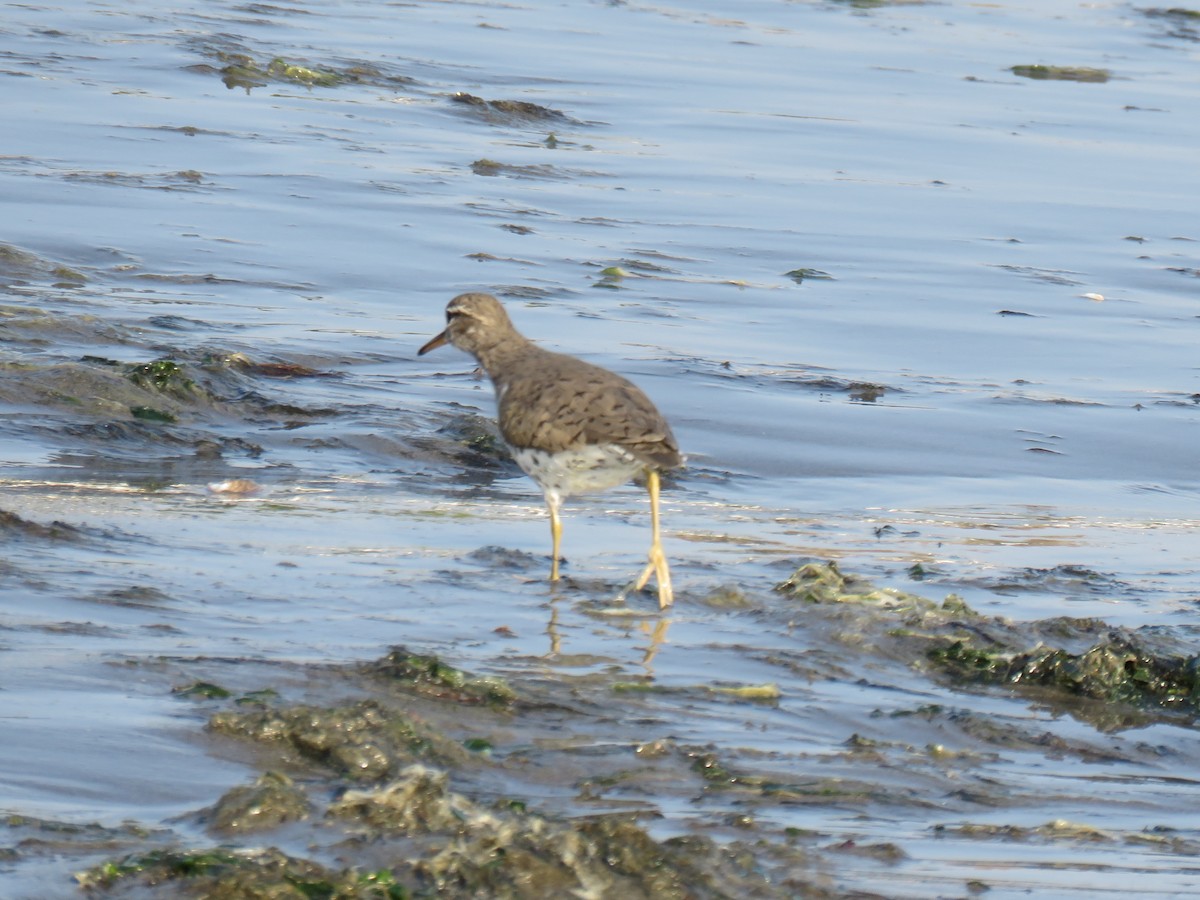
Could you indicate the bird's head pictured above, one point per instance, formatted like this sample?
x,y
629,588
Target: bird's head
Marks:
x,y
474,322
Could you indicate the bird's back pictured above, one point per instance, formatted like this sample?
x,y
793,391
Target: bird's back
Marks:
x,y
556,402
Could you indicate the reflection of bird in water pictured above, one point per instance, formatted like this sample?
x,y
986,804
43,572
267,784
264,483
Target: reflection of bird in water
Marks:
x,y
655,631
572,426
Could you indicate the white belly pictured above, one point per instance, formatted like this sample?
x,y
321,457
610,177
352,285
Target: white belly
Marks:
x,y
591,468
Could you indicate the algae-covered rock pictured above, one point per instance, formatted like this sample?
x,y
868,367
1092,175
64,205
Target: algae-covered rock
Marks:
x,y
509,856
476,440
226,875
528,856
242,70
417,802
430,677
164,375
1121,667
507,110
289,71
13,526
825,583
271,801
365,741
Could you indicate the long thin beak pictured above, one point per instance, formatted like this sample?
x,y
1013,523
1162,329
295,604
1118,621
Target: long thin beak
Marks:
x,y
440,341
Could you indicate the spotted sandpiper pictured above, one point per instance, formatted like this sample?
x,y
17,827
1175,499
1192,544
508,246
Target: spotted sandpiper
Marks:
x,y
571,426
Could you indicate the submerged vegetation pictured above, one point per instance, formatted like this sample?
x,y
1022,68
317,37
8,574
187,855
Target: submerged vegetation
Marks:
x,y
1119,668
1138,668
242,70
1061,73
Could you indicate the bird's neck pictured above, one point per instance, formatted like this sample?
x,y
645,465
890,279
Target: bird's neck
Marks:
x,y
497,358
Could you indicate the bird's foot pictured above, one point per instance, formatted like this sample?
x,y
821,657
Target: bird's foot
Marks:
x,y
662,575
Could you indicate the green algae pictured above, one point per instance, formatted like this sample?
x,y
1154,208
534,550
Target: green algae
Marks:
x,y
804,274
477,438
100,393
203,689
1181,22
260,698
768,692
242,70
151,414
1071,658
285,71
226,875
1061,73
239,69
172,864
1174,12
1120,668
430,677
164,375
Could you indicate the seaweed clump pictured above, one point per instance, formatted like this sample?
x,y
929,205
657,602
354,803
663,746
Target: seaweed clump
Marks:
x,y
1061,73
13,526
430,840
1121,667
162,375
1075,659
220,873
429,676
269,802
364,741
242,70
508,110
826,583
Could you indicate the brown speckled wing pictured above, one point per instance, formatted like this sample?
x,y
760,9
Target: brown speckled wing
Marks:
x,y
556,402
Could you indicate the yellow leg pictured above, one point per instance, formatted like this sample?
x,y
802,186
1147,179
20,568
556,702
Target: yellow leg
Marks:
x,y
553,503
658,558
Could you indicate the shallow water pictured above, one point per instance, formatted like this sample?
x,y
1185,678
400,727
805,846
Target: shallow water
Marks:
x,y
998,382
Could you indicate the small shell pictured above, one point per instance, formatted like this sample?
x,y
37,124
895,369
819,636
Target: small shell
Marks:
x,y
235,486
1099,298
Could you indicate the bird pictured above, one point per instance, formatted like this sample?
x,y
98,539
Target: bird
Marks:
x,y
570,425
